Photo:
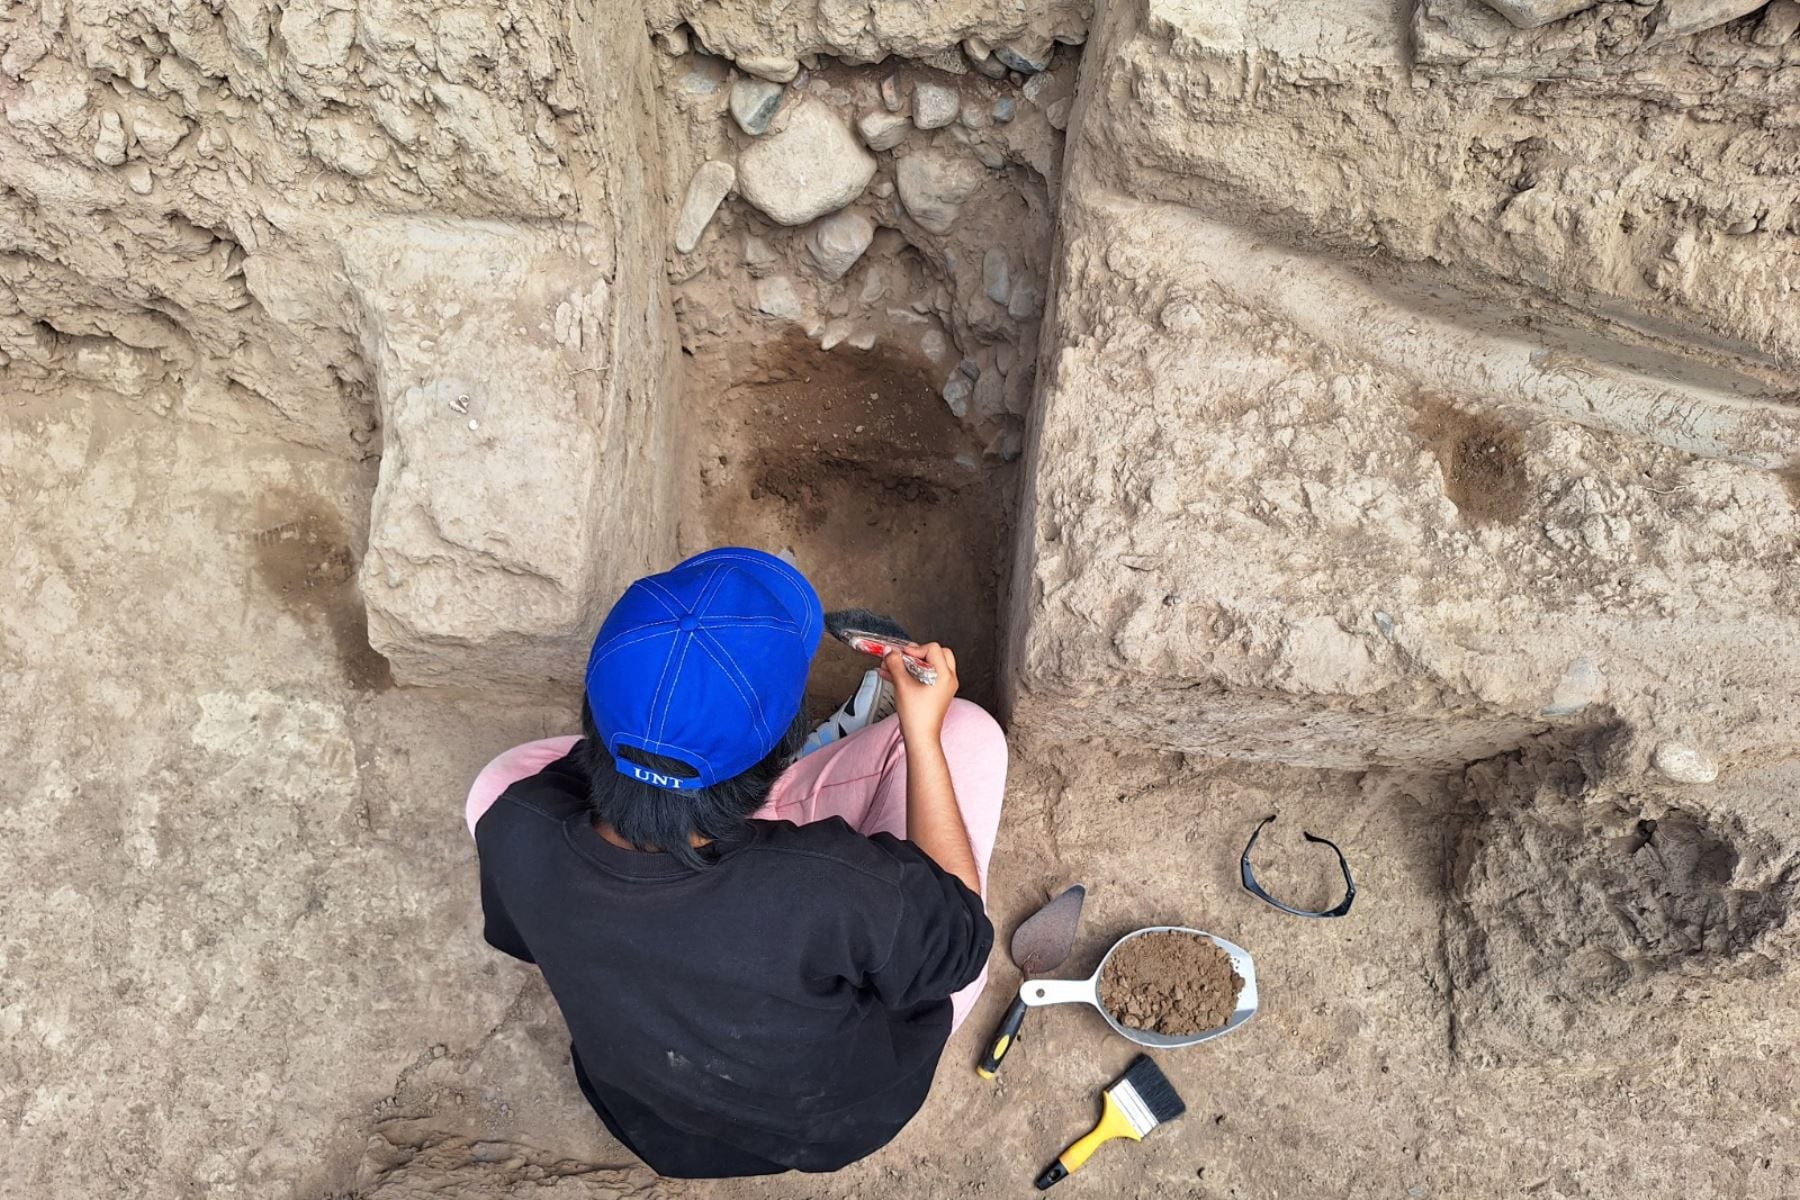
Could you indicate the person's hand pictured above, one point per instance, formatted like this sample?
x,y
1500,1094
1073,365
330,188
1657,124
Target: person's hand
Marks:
x,y
921,707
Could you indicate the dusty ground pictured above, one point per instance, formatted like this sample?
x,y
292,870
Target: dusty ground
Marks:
x,y
242,955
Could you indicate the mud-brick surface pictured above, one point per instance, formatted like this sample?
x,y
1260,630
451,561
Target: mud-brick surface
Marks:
x,y
1240,540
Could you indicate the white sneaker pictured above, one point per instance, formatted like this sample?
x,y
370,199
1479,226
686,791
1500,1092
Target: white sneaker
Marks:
x,y
873,701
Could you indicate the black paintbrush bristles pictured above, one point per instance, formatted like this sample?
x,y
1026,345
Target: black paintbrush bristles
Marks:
x,y
861,620
1153,1089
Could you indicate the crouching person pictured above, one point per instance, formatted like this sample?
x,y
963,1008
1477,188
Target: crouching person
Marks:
x,y
759,959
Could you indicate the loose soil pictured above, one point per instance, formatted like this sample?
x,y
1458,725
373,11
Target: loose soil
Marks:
x,y
1482,460
1174,984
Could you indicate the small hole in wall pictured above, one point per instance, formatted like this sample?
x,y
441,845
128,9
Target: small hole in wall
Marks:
x,y
1482,460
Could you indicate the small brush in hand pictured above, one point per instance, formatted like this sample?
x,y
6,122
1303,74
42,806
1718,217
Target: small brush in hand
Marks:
x,y
871,633
1138,1102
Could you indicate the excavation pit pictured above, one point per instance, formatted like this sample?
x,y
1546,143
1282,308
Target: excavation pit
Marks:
x,y
850,459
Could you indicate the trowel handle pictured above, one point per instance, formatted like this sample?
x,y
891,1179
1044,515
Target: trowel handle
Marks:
x,y
1003,1040
880,647
1059,991
919,669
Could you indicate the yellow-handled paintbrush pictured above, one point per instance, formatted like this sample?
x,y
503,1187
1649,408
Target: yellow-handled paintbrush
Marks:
x,y
1138,1102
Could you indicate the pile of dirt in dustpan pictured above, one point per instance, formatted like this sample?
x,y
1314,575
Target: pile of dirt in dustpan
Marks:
x,y
1171,983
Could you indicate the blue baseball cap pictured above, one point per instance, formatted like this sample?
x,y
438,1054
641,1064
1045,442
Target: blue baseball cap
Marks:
x,y
706,664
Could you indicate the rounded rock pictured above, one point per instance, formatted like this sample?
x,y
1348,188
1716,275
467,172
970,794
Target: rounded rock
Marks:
x,y
883,130
1682,763
1028,56
1026,301
949,60
109,146
838,241
775,70
705,192
705,75
1780,21
835,333
996,275
157,131
1696,16
957,393
1180,315
934,105
812,167
933,186
982,56
775,297
988,401
759,257
1582,684
753,104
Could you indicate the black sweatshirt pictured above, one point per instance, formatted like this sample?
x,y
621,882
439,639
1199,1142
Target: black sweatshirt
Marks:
x,y
782,1008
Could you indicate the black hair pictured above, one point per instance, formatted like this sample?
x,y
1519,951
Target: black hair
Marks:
x,y
653,818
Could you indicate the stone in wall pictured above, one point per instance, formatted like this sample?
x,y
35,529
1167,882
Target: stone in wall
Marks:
x,y
933,185
487,513
779,39
837,241
705,192
874,274
810,167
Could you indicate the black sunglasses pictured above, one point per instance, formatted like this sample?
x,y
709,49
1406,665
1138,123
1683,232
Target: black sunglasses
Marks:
x,y
1256,889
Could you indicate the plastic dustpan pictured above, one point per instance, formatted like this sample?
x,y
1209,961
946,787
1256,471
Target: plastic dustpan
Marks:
x,y
1039,992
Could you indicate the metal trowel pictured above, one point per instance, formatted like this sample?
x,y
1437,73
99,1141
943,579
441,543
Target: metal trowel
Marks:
x,y
1040,944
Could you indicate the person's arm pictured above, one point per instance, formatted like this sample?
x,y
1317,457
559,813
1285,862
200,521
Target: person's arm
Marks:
x,y
496,924
497,927
933,820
